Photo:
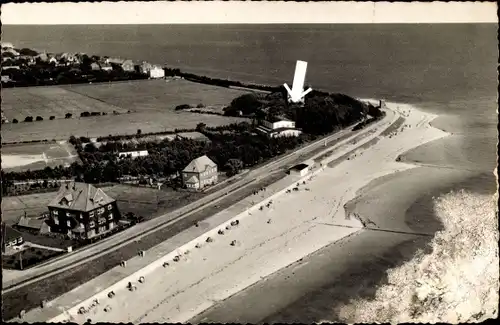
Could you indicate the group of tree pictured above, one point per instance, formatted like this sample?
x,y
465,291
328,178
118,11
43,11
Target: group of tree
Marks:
x,y
43,73
231,151
321,113
173,72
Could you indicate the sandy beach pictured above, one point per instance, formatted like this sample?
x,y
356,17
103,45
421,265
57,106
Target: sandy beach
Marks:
x,y
294,226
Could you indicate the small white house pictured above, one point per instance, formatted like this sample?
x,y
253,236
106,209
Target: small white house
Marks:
x,y
278,128
300,170
278,124
156,72
133,154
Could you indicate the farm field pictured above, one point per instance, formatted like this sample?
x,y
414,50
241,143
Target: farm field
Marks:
x,y
156,95
33,156
14,207
17,103
148,121
151,104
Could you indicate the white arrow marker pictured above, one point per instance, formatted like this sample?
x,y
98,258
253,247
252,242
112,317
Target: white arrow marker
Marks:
x,y
297,93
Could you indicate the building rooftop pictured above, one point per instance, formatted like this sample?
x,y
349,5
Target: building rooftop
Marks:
x,y
199,164
192,180
274,119
33,223
80,197
9,233
300,167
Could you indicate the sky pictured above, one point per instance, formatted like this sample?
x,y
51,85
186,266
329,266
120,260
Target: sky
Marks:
x,y
236,12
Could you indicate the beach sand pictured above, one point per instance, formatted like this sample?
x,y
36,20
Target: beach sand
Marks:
x,y
296,225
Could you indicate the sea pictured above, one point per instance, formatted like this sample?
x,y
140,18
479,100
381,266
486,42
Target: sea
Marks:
x,y
446,69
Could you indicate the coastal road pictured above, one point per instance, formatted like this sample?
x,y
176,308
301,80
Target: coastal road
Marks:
x,y
106,246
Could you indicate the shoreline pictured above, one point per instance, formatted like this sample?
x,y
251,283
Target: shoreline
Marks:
x,y
265,288
328,176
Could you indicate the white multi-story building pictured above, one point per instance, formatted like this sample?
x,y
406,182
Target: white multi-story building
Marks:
x,y
278,128
156,72
133,154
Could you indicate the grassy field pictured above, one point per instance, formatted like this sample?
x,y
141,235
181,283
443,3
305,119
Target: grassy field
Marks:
x,y
144,201
30,256
151,102
14,207
17,103
149,202
156,95
34,156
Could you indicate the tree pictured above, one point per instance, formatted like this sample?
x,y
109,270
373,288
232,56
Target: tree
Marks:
x,y
139,131
68,115
15,121
200,127
39,118
28,52
28,119
233,166
52,117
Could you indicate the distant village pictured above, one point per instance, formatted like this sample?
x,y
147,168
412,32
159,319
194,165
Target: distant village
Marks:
x,y
27,67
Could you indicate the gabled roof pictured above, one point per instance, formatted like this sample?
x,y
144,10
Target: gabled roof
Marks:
x,y
9,233
193,180
199,164
33,223
80,197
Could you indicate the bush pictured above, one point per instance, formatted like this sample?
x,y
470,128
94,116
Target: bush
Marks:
x,y
28,119
200,106
15,121
183,106
68,115
52,117
39,118
84,114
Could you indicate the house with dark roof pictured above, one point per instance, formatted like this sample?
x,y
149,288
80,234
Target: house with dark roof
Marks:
x,y
10,238
82,211
33,225
200,172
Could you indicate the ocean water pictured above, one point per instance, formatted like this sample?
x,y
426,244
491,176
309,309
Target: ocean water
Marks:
x,y
449,69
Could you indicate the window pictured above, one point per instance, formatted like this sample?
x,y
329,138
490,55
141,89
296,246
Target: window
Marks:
x,y
56,220
110,216
68,223
111,225
82,226
81,216
110,207
55,212
68,214
101,221
91,214
92,224
102,229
